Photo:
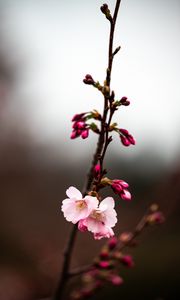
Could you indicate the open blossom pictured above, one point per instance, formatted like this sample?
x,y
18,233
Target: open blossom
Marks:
x,y
76,208
120,187
101,219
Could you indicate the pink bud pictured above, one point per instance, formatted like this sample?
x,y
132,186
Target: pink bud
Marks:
x,y
126,237
124,101
78,117
116,280
85,133
131,139
159,217
121,182
127,260
79,125
117,188
74,134
125,195
112,243
104,255
156,218
88,79
81,226
127,103
97,170
104,264
124,131
124,141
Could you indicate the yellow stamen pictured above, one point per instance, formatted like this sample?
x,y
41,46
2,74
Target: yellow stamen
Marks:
x,y
97,215
80,204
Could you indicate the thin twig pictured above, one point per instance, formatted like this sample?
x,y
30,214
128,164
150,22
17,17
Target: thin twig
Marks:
x,y
120,246
70,243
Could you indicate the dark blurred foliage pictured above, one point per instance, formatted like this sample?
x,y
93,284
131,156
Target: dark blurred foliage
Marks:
x,y
33,231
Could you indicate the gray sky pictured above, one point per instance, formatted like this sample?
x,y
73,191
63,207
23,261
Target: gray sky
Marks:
x,y
58,42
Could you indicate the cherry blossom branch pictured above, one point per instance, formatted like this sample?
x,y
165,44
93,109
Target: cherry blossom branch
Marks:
x,y
107,265
152,217
103,142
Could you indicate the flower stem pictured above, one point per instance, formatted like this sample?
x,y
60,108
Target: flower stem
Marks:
x,y
102,142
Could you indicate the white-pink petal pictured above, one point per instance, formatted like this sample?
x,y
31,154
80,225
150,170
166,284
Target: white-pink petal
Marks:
x,y
107,232
107,203
92,203
111,218
93,225
72,192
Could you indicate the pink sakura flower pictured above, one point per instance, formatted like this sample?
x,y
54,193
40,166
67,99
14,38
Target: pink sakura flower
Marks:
x,y
120,187
101,219
76,208
126,138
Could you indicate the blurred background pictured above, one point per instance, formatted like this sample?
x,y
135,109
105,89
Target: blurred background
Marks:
x,y
46,48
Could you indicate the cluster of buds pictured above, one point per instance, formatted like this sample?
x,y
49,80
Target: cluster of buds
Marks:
x,y
124,101
105,269
80,127
126,138
120,187
107,265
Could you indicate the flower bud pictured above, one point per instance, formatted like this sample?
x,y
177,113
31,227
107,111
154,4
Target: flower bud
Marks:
x,y
85,133
74,134
125,141
125,237
105,10
156,218
126,195
104,264
124,101
88,80
116,279
104,255
97,170
119,187
112,243
79,125
126,138
127,260
81,226
78,117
